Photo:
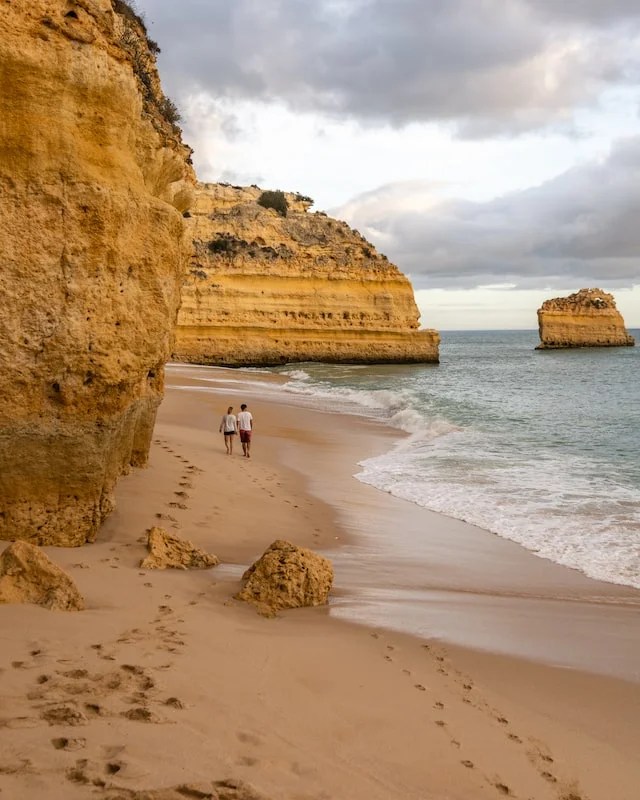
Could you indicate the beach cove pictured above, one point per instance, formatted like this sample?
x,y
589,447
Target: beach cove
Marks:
x,y
523,681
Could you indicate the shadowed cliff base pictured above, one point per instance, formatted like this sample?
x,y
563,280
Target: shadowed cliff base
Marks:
x,y
94,177
588,318
272,283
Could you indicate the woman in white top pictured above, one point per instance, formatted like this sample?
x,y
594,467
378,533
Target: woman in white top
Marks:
x,y
229,427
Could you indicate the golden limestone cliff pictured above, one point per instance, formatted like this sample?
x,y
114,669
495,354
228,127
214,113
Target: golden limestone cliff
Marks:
x,y
265,289
588,318
93,180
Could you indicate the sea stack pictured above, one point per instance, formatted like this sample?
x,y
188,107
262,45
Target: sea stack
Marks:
x,y
270,282
588,318
94,181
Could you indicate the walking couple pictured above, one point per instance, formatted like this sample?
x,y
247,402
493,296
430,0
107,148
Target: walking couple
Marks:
x,y
230,425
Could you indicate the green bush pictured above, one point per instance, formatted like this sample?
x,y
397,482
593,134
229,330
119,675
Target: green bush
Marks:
x,y
169,111
275,200
227,243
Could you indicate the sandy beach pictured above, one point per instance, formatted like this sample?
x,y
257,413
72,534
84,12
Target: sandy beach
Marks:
x,y
489,673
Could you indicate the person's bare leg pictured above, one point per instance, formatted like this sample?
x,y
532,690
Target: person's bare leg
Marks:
x,y
230,438
226,444
248,448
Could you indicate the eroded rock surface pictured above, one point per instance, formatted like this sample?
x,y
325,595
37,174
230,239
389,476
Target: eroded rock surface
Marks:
x,y
287,576
169,551
266,289
93,180
588,318
27,575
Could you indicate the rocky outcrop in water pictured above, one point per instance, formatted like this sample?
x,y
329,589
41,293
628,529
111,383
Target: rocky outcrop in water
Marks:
x,y
264,288
169,551
287,576
93,182
27,575
588,318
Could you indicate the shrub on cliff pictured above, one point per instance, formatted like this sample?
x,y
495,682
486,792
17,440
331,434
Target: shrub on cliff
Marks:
x,y
169,111
275,200
129,10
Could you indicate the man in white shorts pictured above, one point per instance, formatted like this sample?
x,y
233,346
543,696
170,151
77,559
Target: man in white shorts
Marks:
x,y
245,427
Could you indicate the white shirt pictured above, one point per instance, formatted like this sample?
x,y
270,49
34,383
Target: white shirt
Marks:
x,y
245,420
228,423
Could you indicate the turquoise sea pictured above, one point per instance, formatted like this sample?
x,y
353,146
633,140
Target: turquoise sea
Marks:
x,y
540,447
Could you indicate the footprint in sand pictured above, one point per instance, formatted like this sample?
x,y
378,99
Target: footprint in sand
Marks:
x,y
183,506
249,738
420,687
247,761
184,495
63,743
466,763
438,705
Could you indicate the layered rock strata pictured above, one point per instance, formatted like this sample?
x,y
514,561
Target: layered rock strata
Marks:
x,y
287,576
266,289
588,318
93,182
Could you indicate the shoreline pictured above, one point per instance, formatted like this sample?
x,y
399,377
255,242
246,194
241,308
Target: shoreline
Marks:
x,y
475,584
307,705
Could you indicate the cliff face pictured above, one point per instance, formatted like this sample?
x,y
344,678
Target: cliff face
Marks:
x,y
588,318
265,289
93,179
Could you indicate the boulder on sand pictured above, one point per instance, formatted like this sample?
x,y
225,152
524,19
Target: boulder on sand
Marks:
x,y
287,576
169,551
27,575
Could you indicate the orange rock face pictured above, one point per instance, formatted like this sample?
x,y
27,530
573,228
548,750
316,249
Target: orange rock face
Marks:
x,y
27,575
588,318
287,576
93,180
266,289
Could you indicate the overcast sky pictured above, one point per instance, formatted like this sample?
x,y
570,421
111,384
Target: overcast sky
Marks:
x,y
491,148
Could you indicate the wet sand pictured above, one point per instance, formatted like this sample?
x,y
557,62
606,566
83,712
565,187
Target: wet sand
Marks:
x,y
169,680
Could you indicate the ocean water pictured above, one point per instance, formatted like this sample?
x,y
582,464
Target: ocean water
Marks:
x,y
540,447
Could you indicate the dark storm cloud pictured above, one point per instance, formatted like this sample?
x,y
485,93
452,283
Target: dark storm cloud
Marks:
x,y
579,228
488,65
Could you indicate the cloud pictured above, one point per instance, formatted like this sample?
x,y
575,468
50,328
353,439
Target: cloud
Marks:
x,y
485,66
581,228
